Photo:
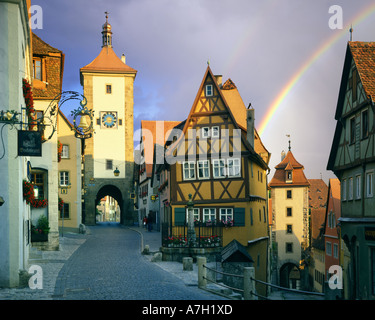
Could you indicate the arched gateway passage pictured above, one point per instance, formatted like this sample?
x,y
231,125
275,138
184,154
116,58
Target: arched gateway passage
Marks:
x,y
111,191
109,203
290,276
118,190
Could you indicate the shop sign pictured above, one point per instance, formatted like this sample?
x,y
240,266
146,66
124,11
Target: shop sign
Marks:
x,y
370,233
29,143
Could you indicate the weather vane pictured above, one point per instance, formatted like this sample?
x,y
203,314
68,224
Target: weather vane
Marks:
x,y
288,135
351,32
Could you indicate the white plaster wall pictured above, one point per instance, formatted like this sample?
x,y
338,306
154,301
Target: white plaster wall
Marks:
x,y
13,62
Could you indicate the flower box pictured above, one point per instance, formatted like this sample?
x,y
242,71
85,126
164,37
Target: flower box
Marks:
x,y
39,237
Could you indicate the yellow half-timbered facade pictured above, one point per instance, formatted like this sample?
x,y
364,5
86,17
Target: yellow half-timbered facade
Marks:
x,y
219,159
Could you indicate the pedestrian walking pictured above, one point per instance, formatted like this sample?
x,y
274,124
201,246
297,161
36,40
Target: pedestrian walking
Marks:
x,y
145,222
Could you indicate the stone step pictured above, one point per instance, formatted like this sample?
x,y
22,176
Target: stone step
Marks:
x,y
35,254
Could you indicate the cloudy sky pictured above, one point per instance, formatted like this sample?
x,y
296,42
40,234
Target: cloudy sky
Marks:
x,y
282,54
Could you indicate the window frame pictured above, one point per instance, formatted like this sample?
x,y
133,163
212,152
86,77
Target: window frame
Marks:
x,y
196,214
209,90
226,214
365,124
291,212
209,214
39,185
289,229
109,164
203,168
370,186
65,205
39,67
288,244
358,181
328,248
219,161
214,133
350,188
335,252
108,86
65,178
233,168
352,129
291,194
189,170
65,153
343,190
205,132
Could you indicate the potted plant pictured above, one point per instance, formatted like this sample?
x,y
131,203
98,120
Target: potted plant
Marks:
x,y
40,232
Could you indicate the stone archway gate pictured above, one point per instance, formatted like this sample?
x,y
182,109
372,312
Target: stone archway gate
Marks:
x,y
119,189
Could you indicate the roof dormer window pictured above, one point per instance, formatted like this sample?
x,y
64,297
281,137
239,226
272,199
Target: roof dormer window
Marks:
x,y
289,176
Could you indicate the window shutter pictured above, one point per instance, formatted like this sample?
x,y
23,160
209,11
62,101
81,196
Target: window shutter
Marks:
x,y
179,216
239,217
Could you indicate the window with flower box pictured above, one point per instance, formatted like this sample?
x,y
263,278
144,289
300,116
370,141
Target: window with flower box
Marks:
x,y
196,215
226,214
37,179
209,215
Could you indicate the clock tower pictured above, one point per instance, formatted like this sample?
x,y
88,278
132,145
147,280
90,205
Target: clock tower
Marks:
x,y
108,156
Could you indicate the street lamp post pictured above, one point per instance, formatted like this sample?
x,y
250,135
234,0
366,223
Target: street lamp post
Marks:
x,y
191,236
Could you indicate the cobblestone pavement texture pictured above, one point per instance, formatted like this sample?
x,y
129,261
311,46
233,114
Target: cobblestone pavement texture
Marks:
x,y
106,264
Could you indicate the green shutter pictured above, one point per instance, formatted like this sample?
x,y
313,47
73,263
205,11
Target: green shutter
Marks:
x,y
239,217
179,216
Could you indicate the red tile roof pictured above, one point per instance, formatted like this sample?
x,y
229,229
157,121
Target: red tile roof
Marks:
x,y
298,176
107,62
158,129
42,48
318,193
364,57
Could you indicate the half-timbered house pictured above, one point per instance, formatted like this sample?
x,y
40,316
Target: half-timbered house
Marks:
x,y
219,159
352,159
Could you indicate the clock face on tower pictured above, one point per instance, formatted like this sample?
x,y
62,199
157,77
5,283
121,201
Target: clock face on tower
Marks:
x,y
109,119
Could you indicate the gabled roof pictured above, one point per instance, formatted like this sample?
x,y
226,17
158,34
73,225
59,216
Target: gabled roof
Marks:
x,y
235,252
53,73
363,54
236,110
298,177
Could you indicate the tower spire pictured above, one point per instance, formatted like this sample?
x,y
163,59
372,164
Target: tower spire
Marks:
x,y
107,32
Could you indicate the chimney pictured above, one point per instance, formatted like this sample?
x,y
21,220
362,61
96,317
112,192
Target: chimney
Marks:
x,y
282,155
250,126
219,80
123,58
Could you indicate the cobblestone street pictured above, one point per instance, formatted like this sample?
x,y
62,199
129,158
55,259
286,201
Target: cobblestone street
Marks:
x,y
106,264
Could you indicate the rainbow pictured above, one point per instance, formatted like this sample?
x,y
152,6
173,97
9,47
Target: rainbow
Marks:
x,y
277,102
